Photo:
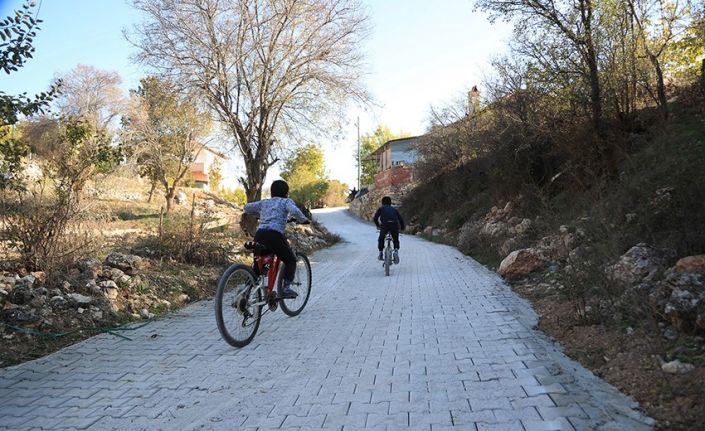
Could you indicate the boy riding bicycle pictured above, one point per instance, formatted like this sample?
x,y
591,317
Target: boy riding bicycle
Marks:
x,y
388,220
273,215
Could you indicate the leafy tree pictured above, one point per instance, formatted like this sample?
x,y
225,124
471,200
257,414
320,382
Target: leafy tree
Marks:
x,y
305,173
236,196
685,57
368,144
336,194
79,152
215,176
163,132
266,68
17,34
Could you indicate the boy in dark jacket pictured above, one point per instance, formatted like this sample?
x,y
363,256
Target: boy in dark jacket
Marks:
x,y
388,220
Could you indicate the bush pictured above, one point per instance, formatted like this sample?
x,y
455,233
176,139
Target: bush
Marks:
x,y
236,196
45,227
185,239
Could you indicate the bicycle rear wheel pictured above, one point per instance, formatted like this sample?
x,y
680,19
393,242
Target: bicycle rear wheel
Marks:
x,y
301,285
238,305
387,260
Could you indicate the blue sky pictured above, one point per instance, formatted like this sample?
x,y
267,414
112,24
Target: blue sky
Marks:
x,y
421,52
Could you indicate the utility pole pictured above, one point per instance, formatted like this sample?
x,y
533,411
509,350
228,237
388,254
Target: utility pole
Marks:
x,y
358,152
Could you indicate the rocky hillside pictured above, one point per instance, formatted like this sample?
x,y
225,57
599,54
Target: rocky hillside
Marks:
x,y
624,253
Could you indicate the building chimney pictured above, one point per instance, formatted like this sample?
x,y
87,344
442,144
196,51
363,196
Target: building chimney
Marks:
x,y
473,100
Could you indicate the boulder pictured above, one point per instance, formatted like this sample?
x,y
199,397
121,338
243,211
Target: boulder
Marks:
x,y
639,263
520,263
679,299
129,264
111,293
508,246
26,281
677,367
20,315
493,229
428,230
523,227
692,264
180,198
89,267
438,232
79,299
21,294
40,277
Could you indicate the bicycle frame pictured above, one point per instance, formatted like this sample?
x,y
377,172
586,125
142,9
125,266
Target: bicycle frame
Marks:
x,y
273,262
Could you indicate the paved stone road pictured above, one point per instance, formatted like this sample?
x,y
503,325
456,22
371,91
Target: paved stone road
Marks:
x,y
440,344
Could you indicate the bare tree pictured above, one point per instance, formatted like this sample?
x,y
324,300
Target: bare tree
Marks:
x,y
267,68
574,20
658,23
92,94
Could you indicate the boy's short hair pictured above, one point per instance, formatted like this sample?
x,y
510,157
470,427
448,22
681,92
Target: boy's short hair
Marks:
x,y
279,189
386,200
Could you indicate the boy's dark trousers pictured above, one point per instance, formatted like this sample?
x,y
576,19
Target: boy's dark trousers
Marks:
x,y
391,228
277,243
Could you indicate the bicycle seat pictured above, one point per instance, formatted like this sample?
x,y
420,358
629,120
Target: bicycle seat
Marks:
x,y
257,248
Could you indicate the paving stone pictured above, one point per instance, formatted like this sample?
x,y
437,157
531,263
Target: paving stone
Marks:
x,y
559,424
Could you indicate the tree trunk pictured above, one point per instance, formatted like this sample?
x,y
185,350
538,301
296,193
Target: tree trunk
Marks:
x,y
660,87
151,192
254,181
702,76
170,193
595,92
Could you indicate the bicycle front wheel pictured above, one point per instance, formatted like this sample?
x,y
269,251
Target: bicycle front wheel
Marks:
x,y
301,285
238,305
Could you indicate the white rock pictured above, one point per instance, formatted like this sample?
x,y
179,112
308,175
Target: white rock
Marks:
x,y
677,367
111,293
80,299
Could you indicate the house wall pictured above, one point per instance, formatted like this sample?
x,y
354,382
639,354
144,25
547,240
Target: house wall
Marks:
x,y
397,176
201,165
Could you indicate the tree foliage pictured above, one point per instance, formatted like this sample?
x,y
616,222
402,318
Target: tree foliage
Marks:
x,y
580,62
17,33
163,132
336,195
305,173
270,70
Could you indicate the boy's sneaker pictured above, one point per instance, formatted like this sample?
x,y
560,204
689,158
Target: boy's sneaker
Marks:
x,y
395,256
286,292
380,256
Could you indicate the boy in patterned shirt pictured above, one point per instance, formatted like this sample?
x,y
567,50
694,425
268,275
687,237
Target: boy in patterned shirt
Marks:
x,y
273,215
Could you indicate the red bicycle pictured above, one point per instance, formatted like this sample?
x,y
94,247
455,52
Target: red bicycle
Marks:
x,y
242,294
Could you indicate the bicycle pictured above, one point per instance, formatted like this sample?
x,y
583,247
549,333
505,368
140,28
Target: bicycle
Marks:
x,y
242,294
